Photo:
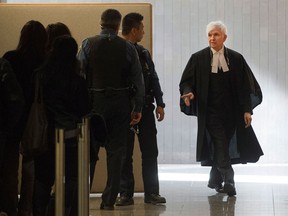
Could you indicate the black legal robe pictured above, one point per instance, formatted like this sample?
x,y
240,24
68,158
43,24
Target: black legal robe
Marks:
x,y
244,146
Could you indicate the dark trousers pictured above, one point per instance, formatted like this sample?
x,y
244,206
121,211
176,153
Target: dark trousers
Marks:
x,y
221,127
148,146
45,179
94,151
27,183
114,107
9,163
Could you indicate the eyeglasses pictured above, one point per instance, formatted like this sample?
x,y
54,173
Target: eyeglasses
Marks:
x,y
135,129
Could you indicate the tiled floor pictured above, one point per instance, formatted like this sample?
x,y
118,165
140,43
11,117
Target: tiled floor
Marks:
x,y
262,190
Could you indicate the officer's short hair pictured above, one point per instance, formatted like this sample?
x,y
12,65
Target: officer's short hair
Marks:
x,y
110,18
131,20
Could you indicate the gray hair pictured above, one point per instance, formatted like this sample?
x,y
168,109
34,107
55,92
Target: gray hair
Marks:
x,y
216,24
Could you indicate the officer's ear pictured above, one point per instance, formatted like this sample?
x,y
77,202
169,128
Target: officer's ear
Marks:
x,y
134,31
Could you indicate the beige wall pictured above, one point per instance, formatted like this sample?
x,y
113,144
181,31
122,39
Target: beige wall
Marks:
x,y
82,19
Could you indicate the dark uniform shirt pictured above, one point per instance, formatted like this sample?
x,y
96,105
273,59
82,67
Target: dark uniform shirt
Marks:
x,y
152,85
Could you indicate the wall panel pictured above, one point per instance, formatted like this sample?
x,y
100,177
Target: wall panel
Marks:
x,y
82,19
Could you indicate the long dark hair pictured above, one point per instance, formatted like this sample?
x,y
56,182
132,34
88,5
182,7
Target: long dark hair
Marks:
x,y
55,30
33,40
62,60
61,64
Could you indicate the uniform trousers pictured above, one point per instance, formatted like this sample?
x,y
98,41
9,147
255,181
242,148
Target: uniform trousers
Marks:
x,y
114,106
149,150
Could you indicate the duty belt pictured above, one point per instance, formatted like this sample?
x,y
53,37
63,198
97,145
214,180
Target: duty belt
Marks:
x,y
111,91
108,89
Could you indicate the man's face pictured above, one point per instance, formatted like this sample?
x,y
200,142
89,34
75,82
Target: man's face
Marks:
x,y
139,32
216,38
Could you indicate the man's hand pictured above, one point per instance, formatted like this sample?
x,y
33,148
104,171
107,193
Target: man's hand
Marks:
x,y
159,112
135,118
187,97
247,119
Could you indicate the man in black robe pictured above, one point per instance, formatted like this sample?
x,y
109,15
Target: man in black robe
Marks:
x,y
221,87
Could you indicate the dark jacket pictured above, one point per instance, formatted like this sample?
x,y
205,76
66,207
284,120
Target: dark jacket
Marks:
x,y
151,80
11,102
24,66
65,97
244,146
11,97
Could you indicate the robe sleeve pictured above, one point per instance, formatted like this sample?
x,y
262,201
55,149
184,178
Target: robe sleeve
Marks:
x,y
255,90
188,79
254,94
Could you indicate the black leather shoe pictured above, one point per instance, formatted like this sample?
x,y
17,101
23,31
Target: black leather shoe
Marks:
x,y
154,199
215,179
229,189
217,187
103,206
124,201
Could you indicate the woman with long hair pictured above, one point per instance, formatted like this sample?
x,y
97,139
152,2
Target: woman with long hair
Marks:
x,y
65,96
29,54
